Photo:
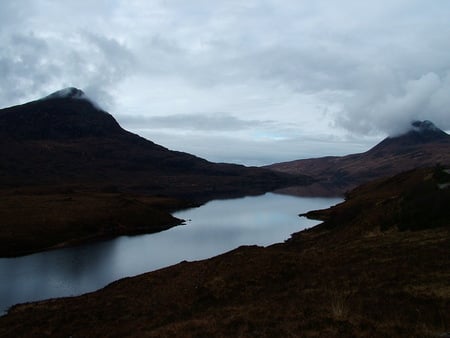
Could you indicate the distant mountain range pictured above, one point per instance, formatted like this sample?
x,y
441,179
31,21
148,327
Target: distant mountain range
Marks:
x,y
65,138
424,145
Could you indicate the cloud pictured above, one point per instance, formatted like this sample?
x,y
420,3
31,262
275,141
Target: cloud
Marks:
x,y
320,66
22,66
38,57
392,111
333,53
31,66
198,122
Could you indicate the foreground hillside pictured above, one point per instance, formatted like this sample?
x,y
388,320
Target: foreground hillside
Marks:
x,y
378,266
424,145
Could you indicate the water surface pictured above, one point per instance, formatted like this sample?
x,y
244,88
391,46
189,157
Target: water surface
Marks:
x,y
211,229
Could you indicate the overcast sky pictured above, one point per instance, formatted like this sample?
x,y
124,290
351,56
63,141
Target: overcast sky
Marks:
x,y
253,82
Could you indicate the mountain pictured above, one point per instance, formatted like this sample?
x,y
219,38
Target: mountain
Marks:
x,y
65,138
423,145
63,115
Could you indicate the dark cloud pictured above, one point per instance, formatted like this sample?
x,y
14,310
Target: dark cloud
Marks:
x,y
12,13
31,66
24,66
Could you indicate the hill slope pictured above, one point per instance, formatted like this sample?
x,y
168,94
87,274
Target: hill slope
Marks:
x,y
423,146
346,278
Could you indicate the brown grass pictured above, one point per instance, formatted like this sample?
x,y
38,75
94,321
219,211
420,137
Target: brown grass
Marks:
x,y
339,302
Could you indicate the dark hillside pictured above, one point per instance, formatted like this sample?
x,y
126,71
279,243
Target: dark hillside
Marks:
x,y
414,200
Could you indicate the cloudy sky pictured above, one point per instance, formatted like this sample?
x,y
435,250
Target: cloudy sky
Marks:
x,y
253,82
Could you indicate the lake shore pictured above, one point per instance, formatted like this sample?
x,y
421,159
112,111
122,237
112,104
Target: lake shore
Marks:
x,y
35,220
356,274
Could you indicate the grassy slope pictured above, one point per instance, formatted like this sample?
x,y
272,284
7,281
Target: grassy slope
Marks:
x,y
37,220
356,275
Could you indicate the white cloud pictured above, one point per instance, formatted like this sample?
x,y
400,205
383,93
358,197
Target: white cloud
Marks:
x,y
391,111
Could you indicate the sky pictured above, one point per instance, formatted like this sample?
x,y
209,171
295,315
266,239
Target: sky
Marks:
x,y
252,82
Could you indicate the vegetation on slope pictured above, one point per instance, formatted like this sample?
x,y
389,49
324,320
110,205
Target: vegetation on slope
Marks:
x,y
414,200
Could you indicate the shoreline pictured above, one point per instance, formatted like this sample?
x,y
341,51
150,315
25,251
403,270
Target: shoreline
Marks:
x,y
41,222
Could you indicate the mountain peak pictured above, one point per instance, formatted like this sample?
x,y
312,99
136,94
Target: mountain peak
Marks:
x,y
420,132
424,126
424,132
71,93
68,93
65,114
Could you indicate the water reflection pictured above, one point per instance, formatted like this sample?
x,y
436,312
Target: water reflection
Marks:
x,y
216,227
55,273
